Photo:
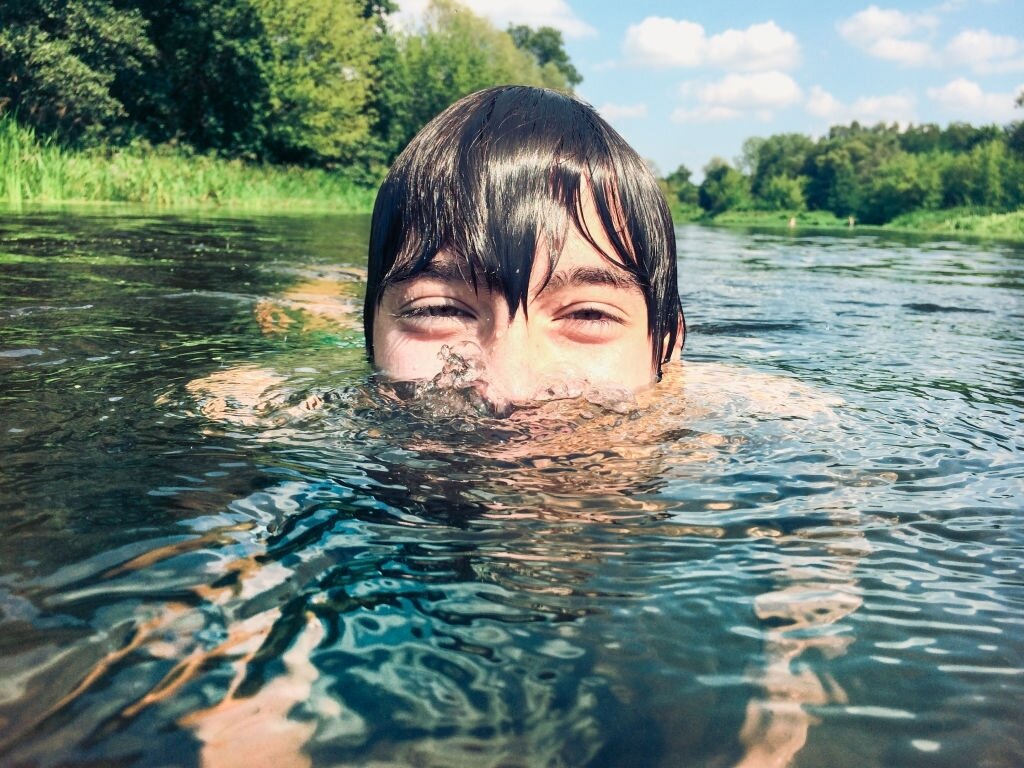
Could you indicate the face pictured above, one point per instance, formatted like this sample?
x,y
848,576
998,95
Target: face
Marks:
x,y
588,324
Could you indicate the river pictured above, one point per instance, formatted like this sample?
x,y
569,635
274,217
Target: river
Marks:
x,y
223,541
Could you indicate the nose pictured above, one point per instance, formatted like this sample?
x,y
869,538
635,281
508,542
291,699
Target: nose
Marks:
x,y
518,362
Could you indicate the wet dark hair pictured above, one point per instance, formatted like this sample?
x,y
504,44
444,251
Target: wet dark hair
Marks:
x,y
501,169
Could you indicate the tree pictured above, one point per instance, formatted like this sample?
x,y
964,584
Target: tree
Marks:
x,y
680,187
841,166
746,163
61,62
919,139
207,87
902,184
785,193
547,47
724,188
319,77
1015,130
454,54
963,137
782,155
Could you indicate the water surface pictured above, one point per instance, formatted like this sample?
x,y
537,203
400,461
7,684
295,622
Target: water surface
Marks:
x,y
222,541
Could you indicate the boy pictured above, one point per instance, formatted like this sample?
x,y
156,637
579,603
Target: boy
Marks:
x,y
519,229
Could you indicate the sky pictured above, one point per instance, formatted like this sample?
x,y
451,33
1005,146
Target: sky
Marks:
x,y
688,81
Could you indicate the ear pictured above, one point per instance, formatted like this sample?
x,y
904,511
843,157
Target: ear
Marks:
x,y
677,350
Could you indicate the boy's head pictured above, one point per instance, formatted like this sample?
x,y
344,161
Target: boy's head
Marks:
x,y
519,216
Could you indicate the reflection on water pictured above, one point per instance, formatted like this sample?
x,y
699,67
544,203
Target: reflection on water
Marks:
x,y
224,542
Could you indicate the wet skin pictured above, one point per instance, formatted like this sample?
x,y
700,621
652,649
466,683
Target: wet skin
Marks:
x,y
586,324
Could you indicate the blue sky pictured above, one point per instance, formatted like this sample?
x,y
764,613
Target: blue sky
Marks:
x,y
688,81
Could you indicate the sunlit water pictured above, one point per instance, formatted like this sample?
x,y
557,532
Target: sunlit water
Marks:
x,y
222,541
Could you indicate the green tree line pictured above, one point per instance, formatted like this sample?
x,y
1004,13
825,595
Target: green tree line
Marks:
x,y
316,83
870,173
332,86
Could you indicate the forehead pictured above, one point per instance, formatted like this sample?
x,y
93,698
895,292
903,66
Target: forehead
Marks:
x,y
581,260
572,234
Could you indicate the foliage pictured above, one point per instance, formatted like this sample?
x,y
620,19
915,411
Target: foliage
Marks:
x,y
723,188
680,189
548,48
40,171
781,156
785,193
207,87
320,83
62,60
319,76
963,221
455,54
903,183
142,89
871,174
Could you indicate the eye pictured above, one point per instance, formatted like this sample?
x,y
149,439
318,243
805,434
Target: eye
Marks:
x,y
591,315
590,324
435,310
436,316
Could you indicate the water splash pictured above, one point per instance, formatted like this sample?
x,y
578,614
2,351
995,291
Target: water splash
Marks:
x,y
463,388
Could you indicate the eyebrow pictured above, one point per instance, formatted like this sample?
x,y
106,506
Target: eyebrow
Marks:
x,y
449,271
445,270
592,276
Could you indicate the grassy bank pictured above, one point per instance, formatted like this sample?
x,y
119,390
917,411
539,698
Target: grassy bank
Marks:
x,y
35,171
954,222
963,221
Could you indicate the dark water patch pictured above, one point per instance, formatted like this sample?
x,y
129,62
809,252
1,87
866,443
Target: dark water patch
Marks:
x,y
744,328
929,308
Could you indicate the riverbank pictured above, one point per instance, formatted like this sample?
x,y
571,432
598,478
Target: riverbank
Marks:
x,y
38,172
954,222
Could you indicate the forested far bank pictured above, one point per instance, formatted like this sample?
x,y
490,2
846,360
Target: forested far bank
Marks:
x,y
864,174
321,84
305,103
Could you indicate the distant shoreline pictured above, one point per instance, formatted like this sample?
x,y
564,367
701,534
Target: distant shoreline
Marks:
x,y
955,223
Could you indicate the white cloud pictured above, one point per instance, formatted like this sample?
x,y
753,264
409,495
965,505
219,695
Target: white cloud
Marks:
x,y
534,13
887,34
890,108
661,42
912,52
613,112
965,99
758,47
737,95
986,52
821,103
704,114
658,41
762,89
874,23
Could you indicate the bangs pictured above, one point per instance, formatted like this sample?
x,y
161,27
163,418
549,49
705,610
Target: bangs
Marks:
x,y
495,181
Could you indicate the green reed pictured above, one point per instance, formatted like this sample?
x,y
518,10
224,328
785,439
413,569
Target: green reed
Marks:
x,y
35,170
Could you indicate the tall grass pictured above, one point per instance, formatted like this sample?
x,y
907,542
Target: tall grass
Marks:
x,y
963,221
29,169
34,170
955,222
